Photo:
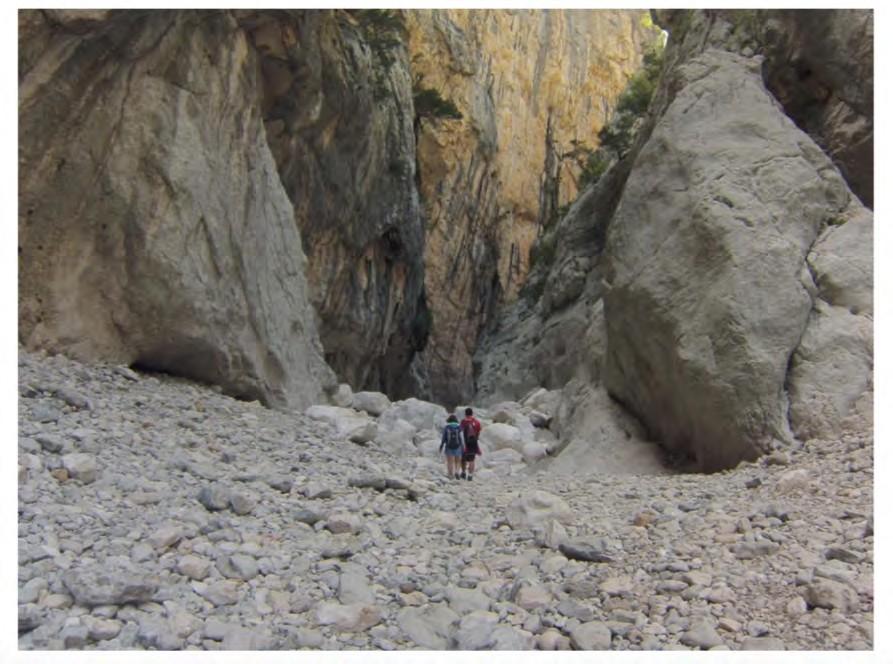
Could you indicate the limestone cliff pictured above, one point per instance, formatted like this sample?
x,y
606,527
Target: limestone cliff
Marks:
x,y
337,105
715,281
529,85
153,226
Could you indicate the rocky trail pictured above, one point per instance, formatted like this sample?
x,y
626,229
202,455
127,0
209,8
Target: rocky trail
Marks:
x,y
159,514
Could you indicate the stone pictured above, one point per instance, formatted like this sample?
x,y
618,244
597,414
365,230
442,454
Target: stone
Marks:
x,y
363,434
342,396
214,497
306,516
242,503
828,594
702,635
751,550
342,522
593,635
617,586
551,535
552,639
422,415
475,631
81,467
430,627
374,403
281,483
371,482
348,618
762,643
97,585
537,508
238,566
506,637
795,607
845,555
31,591
316,491
353,588
793,480
45,413
309,638
248,639
51,443
219,593
29,618
74,637
651,257
155,633
165,537
589,551
533,597
499,436
100,629
464,601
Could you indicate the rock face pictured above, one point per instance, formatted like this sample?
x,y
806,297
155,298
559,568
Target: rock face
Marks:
x,y
192,164
154,229
707,251
528,83
827,85
337,106
716,282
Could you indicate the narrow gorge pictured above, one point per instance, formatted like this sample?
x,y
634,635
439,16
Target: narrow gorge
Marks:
x,y
263,254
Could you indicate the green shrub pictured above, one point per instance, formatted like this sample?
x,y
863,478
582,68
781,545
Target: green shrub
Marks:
x,y
429,103
543,251
617,136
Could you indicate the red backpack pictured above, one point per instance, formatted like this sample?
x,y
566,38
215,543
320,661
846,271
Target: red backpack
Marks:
x,y
471,428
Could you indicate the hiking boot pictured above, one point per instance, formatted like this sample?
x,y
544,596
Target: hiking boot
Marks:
x,y
462,474
469,477
457,475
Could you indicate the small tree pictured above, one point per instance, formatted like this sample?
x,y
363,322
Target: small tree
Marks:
x,y
429,103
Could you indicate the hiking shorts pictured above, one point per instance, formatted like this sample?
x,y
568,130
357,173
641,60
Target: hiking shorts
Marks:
x,y
471,450
453,453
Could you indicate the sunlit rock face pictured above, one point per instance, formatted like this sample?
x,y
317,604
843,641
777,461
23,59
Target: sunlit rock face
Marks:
x,y
528,83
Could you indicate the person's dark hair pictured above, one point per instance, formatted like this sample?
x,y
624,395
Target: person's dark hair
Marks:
x,y
452,418
469,412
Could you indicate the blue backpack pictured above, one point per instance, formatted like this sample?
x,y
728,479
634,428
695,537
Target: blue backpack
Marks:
x,y
453,442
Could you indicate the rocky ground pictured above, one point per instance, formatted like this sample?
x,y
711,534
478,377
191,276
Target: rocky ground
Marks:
x,y
159,514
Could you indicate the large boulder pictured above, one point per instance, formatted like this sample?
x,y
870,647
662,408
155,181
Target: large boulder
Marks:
x,y
537,508
374,403
497,436
596,435
709,290
154,229
421,414
347,422
832,367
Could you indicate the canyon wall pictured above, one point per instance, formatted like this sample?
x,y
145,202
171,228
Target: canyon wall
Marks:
x,y
529,85
715,282
190,180
337,104
153,226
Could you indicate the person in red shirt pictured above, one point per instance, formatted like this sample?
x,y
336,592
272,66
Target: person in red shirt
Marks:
x,y
471,428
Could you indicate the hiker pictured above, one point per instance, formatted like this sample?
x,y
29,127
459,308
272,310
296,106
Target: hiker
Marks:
x,y
471,430
452,445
